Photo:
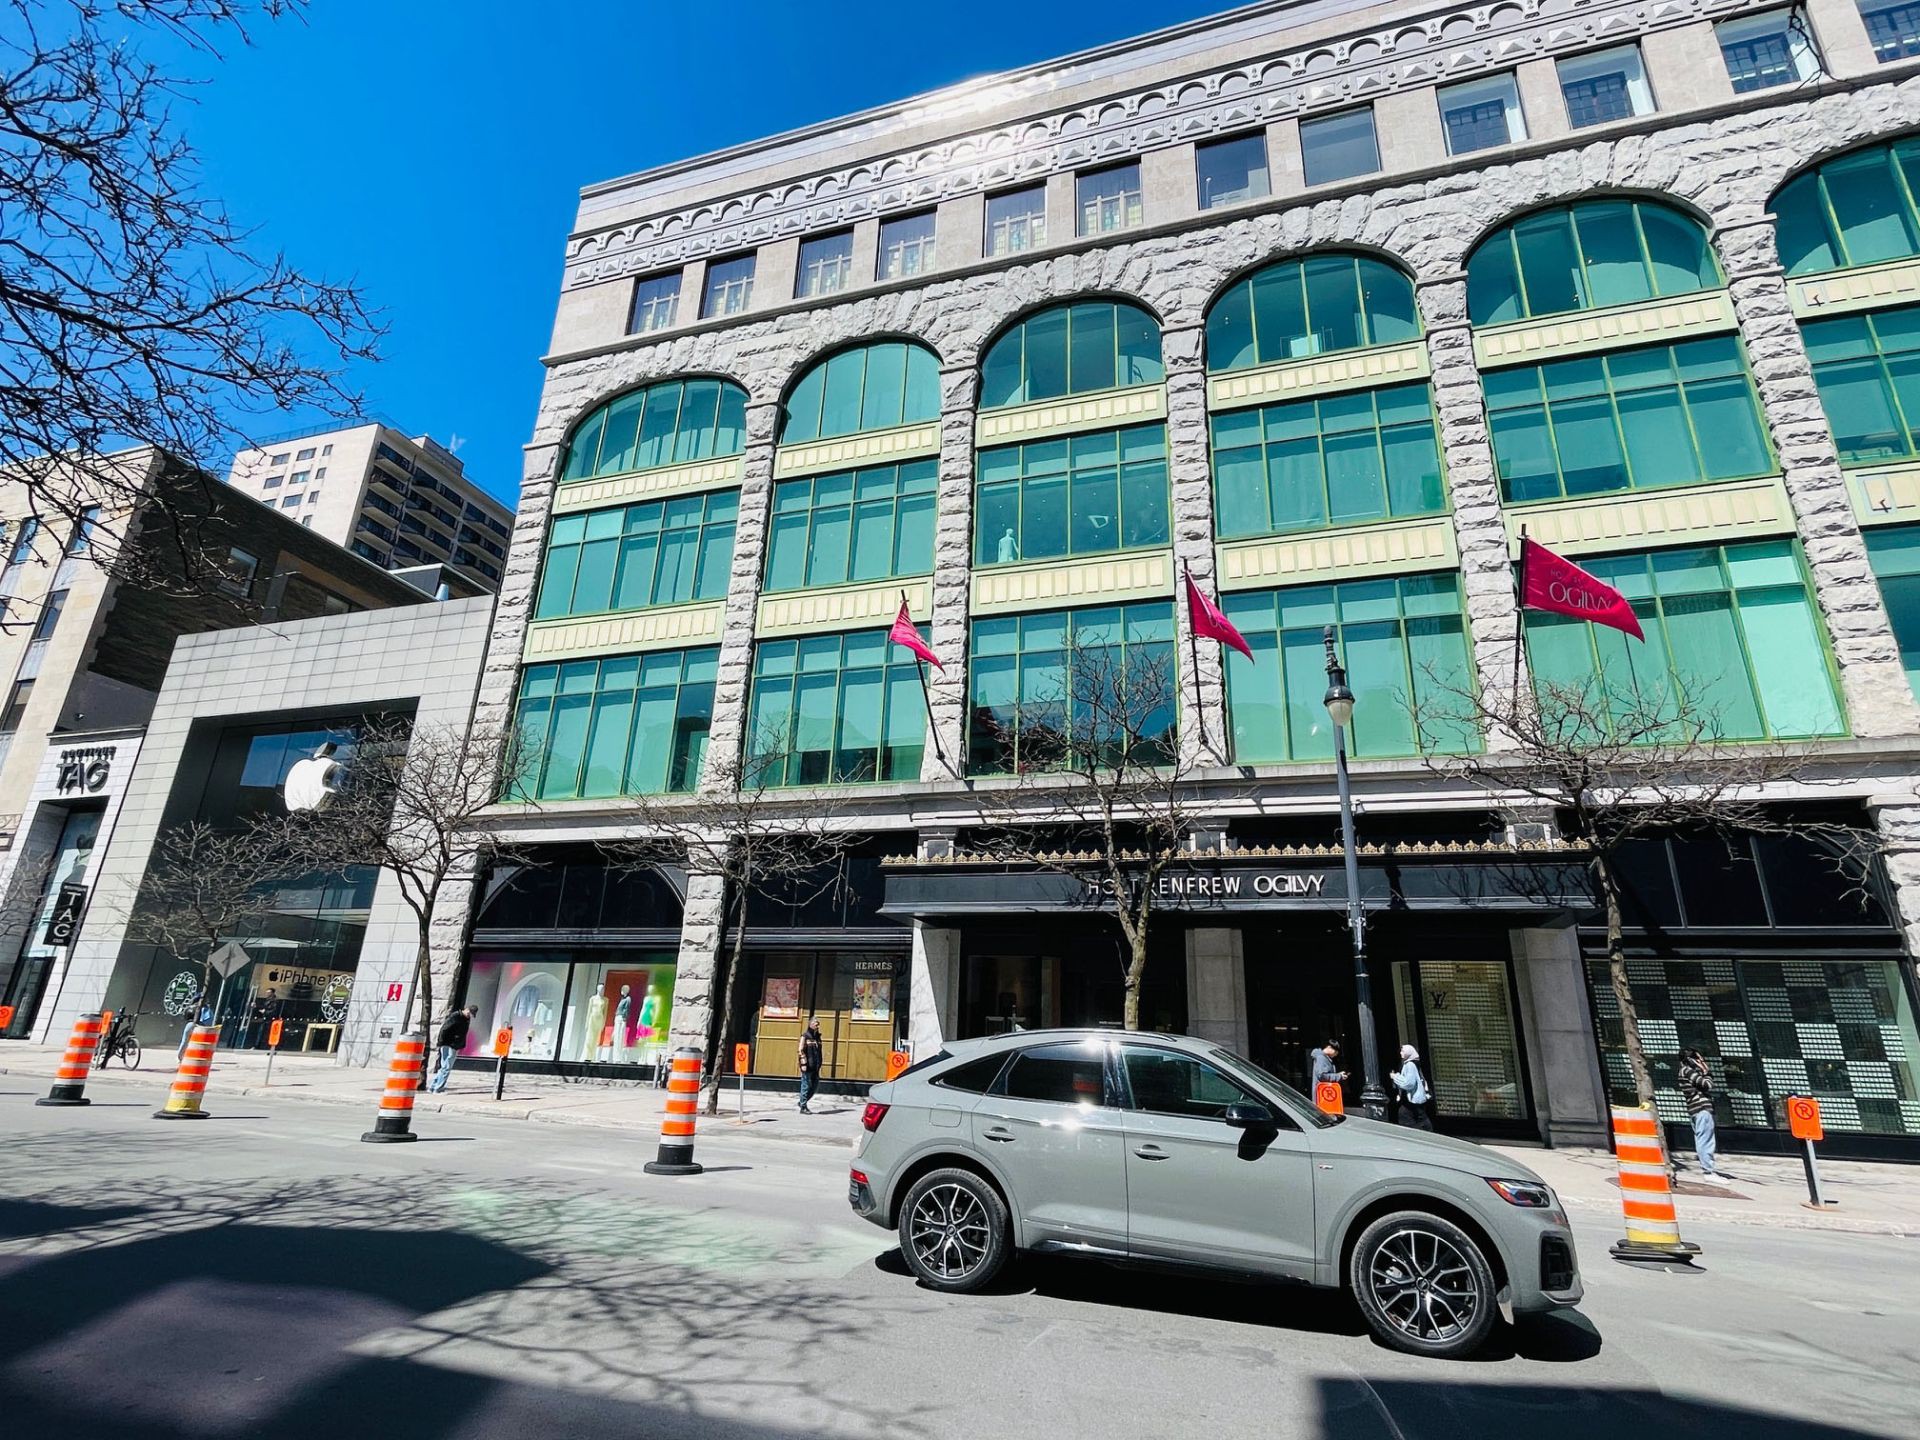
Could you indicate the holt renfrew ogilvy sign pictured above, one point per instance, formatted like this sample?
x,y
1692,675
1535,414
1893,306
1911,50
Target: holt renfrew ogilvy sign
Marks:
x,y
1177,886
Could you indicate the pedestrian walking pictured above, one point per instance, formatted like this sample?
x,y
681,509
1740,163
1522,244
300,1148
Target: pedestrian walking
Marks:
x,y
1410,1087
1323,1064
1696,1087
205,1017
451,1040
812,1057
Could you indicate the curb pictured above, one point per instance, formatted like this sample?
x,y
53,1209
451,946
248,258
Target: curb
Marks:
x,y
1749,1220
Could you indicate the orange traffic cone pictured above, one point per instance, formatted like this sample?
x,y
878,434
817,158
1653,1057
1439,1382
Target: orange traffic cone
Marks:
x,y
675,1156
190,1081
1646,1191
70,1080
396,1104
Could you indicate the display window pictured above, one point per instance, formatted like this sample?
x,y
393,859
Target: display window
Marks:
x,y
859,999
613,1009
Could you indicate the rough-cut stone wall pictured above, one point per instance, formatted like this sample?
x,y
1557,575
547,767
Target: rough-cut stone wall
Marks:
x,y
728,733
945,757
702,924
1203,697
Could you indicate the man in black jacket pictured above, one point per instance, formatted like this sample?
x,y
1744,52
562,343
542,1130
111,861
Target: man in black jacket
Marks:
x,y
452,1040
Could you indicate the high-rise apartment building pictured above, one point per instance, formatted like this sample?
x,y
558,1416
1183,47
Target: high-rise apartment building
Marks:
x,y
1324,306
398,501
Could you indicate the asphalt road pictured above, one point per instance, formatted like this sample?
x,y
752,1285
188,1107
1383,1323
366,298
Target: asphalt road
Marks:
x,y
263,1273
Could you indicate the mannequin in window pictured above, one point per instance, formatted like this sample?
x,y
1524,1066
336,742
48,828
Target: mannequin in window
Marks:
x,y
649,1012
596,1022
1009,549
622,1036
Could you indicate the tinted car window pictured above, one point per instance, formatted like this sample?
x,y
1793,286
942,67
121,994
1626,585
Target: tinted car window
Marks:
x,y
974,1076
1064,1074
1168,1083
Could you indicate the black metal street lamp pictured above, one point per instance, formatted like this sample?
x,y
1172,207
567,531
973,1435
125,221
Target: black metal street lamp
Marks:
x,y
1339,704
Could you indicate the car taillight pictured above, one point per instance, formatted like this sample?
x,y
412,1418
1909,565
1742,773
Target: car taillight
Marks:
x,y
875,1113
857,1177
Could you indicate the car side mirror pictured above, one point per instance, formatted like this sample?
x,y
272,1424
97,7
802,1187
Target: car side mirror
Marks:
x,y
1244,1115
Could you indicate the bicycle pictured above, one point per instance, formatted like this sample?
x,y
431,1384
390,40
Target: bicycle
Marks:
x,y
119,1040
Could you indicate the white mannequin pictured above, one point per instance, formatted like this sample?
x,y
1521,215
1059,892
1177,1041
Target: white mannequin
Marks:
x,y
621,1011
1008,550
596,1022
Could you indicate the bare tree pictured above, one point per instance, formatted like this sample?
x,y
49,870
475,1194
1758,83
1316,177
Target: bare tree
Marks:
x,y
1103,791
136,312
410,801
758,841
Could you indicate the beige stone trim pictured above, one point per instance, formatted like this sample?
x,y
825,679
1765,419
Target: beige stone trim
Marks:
x,y
1350,370
1348,554
846,452
1654,322
1105,411
667,628
1045,584
1886,494
843,607
1874,286
648,484
1731,510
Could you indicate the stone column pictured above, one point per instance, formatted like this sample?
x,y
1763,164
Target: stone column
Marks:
x,y
932,983
1203,690
702,925
728,732
1217,986
1557,1027
945,757
1897,814
1879,701
520,577
1473,486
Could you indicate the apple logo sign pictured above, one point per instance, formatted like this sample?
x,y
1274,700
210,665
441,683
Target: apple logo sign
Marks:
x,y
310,783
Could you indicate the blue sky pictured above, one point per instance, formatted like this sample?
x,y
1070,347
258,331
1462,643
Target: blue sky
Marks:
x,y
434,151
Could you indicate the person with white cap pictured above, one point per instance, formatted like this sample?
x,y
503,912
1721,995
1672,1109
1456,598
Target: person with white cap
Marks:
x,y
1413,1093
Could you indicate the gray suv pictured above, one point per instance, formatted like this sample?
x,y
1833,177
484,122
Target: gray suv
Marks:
x,y
1169,1150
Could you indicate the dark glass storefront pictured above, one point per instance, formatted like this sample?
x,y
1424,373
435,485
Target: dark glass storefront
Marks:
x,y
1050,971
25,982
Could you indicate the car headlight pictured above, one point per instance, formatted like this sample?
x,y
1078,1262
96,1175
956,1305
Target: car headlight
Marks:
x,y
1527,1194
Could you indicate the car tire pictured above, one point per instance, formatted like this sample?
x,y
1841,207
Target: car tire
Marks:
x,y
1424,1284
954,1231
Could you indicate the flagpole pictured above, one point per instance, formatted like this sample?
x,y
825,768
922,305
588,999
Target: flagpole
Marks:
x,y
1193,644
1519,612
926,699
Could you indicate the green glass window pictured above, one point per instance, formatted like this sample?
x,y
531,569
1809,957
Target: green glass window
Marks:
x,y
1855,209
855,525
1074,495
835,710
1025,702
630,725
1071,350
1405,647
1867,367
1733,645
673,423
663,552
1627,420
1301,308
870,387
1894,551
1586,257
1342,460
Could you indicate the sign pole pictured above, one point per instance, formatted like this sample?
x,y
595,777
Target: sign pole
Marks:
x,y
502,1043
1803,1123
742,1060
1813,1174
273,1049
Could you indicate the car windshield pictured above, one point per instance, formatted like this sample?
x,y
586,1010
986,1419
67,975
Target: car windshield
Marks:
x,y
1297,1104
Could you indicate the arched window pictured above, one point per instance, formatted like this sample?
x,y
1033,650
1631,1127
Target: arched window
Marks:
x,y
1587,256
1855,209
870,387
1309,307
672,423
1072,350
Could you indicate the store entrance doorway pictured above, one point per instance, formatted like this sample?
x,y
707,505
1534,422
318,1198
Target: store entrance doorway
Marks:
x,y
1296,1004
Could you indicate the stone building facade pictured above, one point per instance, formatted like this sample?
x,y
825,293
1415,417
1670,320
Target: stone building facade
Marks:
x,y
945,225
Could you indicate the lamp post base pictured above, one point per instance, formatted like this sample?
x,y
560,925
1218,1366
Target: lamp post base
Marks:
x,y
1373,1100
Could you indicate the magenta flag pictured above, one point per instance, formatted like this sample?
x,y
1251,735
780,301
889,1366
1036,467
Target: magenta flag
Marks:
x,y
906,633
1210,624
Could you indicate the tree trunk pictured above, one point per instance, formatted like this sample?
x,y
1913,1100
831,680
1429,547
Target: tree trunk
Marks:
x,y
1622,990
717,1041
1136,934
423,991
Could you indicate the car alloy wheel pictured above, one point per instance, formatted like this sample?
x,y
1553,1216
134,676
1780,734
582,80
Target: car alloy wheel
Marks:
x,y
1424,1285
949,1231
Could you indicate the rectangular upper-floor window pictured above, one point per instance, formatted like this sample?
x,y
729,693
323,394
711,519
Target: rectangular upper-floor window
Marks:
x,y
290,502
1605,85
1232,170
306,454
273,482
834,710
1894,551
857,525
1342,460
1016,221
16,706
1867,369
1108,200
628,725
1405,647
1093,679
86,531
906,246
1893,29
1628,420
1762,51
1734,648
49,619
1480,114
1075,495
826,265
656,300
729,287
299,477
1339,147
663,552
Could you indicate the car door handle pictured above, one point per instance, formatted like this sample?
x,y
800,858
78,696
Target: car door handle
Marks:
x,y
1000,1133
1152,1152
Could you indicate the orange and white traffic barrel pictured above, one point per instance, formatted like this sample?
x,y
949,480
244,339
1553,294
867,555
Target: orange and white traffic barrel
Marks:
x,y
190,1080
1646,1191
676,1126
396,1102
70,1080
